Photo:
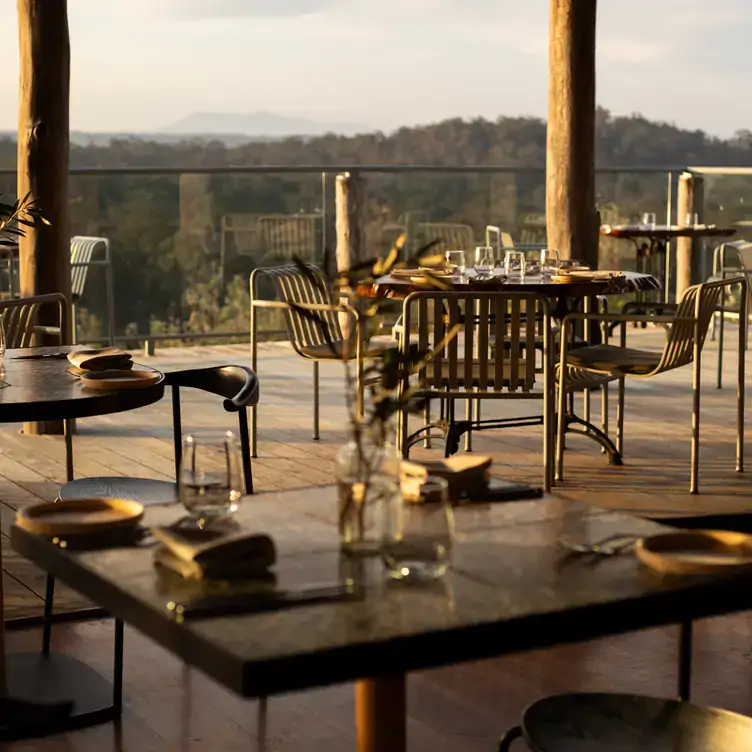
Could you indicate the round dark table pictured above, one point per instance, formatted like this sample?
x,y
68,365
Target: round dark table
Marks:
x,y
53,692
565,296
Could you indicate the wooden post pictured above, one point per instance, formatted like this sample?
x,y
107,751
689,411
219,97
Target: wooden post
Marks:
x,y
43,142
571,216
349,205
684,205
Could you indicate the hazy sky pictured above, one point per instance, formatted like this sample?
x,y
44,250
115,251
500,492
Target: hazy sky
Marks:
x,y
142,64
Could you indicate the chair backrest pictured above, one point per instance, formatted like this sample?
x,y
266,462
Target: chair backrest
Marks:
x,y
450,235
735,256
295,234
495,348
238,385
292,285
82,250
693,314
20,318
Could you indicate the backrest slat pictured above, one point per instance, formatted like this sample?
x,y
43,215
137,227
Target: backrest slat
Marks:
x,y
452,349
515,321
483,349
438,335
500,307
468,350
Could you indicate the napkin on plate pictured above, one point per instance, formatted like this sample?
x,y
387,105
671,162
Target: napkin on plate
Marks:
x,y
102,359
214,553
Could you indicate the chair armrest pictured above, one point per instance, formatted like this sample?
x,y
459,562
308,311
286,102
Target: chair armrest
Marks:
x,y
314,307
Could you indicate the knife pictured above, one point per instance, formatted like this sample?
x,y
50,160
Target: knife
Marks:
x,y
250,603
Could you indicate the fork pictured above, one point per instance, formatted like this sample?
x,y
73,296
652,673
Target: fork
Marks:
x,y
609,546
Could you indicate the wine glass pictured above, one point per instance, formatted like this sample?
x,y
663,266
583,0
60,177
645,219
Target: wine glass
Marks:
x,y
418,535
549,261
484,260
648,219
210,478
456,262
514,264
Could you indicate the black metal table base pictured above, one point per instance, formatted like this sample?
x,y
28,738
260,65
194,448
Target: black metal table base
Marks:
x,y
49,693
594,433
451,431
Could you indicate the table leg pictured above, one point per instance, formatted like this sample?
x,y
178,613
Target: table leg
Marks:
x,y
381,714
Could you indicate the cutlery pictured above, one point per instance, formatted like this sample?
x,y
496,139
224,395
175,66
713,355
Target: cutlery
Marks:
x,y
249,603
610,546
40,356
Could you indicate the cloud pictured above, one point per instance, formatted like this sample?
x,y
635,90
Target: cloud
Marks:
x,y
195,9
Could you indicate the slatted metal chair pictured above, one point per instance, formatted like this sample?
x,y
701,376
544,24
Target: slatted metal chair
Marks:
x,y
450,235
730,260
493,357
316,342
21,319
285,235
600,722
83,250
687,330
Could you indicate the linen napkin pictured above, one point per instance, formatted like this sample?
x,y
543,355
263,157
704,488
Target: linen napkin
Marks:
x,y
214,554
102,359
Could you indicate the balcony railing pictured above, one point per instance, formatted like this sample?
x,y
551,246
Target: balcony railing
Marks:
x,y
184,240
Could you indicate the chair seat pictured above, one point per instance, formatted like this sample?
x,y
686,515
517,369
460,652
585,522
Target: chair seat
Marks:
x,y
612,359
336,350
632,723
148,492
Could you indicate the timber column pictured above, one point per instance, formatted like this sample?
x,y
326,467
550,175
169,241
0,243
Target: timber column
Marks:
x,y
43,144
571,217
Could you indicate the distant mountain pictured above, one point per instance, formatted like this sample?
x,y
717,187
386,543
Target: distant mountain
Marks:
x,y
257,125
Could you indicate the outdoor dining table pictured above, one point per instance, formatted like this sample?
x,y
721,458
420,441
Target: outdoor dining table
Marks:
x,y
566,296
514,585
36,385
658,238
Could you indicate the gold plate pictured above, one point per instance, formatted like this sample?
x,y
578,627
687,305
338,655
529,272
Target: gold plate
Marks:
x,y
696,552
79,517
105,381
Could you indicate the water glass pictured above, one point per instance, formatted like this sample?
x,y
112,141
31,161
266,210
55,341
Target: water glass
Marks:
x,y
210,478
484,260
417,540
362,505
549,261
456,262
514,264
691,220
648,219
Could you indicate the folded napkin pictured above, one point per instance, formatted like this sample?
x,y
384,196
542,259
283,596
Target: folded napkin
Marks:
x,y
101,360
214,553
467,477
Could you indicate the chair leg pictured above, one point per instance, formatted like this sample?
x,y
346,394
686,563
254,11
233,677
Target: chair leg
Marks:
x,y
620,417
245,450
426,422
695,453
469,434
741,376
721,327
561,426
505,744
316,435
177,431
604,410
117,673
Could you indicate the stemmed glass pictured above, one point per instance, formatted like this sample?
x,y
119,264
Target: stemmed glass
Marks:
x,y
648,219
210,478
456,262
484,260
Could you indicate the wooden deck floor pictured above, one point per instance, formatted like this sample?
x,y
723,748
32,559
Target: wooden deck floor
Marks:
x,y
456,709
654,479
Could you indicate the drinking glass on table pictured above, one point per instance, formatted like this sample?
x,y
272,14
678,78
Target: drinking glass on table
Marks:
x,y
514,264
691,220
456,262
484,260
648,219
210,478
418,535
549,261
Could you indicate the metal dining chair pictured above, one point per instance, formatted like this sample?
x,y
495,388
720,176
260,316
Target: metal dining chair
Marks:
x,y
687,330
493,357
730,260
600,722
313,326
21,319
83,250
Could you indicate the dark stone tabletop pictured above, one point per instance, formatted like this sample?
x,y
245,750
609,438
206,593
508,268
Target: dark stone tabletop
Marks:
x,y
43,389
512,587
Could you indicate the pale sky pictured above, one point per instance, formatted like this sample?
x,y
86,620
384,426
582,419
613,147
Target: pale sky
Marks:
x,y
142,64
